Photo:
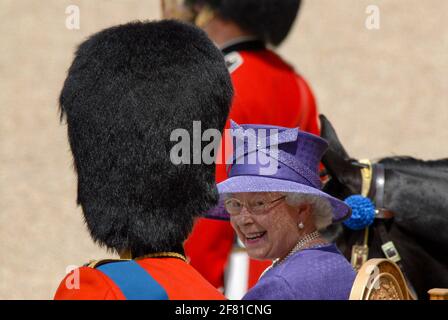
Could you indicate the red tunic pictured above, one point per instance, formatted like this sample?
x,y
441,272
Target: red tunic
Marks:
x,y
267,91
179,280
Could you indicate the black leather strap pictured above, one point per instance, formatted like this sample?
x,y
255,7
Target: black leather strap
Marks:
x,y
381,231
377,192
248,45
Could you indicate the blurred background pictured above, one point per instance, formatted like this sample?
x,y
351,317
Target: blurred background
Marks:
x,y
385,90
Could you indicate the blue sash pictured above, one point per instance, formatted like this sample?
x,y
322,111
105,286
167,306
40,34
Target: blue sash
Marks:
x,y
134,282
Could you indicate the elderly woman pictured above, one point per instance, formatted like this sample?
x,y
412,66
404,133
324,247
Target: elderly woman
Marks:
x,y
277,214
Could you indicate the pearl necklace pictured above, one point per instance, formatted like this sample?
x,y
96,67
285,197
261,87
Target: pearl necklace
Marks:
x,y
299,246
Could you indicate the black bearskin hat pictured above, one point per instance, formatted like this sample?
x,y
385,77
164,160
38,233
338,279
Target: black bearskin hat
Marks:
x,y
269,20
128,88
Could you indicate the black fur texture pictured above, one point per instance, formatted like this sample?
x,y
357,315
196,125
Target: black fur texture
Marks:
x,y
270,20
128,88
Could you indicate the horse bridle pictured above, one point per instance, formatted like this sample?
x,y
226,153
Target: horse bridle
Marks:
x,y
373,182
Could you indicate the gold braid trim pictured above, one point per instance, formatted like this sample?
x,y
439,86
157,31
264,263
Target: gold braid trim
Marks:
x,y
163,255
96,263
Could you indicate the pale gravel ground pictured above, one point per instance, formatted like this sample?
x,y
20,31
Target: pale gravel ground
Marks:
x,y
386,91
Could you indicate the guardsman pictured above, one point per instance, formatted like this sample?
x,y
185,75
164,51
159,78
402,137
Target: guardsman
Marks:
x,y
267,91
129,88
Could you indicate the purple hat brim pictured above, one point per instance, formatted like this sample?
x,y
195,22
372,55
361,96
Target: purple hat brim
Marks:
x,y
237,184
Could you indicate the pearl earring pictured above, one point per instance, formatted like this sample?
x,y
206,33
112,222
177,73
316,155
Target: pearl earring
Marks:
x,y
300,225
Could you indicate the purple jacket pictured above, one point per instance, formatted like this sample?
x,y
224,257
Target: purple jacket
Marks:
x,y
321,273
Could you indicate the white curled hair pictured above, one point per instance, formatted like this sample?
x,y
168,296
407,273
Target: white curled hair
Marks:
x,y
321,208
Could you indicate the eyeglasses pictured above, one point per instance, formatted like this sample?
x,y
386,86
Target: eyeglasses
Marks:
x,y
255,207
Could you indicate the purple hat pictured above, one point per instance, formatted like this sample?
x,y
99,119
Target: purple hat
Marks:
x,y
275,159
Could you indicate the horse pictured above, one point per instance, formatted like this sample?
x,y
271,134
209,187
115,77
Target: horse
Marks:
x,y
414,193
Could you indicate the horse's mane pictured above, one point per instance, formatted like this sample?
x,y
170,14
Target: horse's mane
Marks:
x,y
401,162
429,170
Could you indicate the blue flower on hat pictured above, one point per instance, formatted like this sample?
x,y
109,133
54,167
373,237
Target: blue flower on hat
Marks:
x,y
363,212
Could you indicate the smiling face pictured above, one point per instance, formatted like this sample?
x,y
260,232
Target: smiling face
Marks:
x,y
269,235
